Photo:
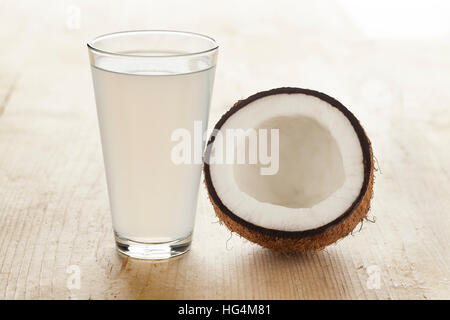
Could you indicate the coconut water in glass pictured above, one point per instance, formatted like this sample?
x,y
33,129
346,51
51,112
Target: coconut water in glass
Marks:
x,y
149,85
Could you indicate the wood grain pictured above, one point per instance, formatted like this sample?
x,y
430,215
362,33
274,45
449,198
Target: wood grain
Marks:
x,y
54,209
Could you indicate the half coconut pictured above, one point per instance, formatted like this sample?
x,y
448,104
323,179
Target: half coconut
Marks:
x,y
319,189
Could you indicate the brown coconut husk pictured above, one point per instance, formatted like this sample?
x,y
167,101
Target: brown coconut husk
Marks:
x,y
307,240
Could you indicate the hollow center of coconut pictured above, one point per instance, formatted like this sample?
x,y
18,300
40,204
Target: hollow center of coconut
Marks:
x,y
320,164
310,165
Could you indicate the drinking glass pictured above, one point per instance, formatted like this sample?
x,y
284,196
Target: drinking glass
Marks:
x,y
152,91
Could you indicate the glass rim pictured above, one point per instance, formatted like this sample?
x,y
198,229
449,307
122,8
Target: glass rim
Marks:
x,y
91,46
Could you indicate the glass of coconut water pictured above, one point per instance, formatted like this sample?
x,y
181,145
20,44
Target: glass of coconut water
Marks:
x,y
152,88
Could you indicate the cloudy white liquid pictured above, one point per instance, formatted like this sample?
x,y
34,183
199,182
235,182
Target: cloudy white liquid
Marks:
x,y
152,199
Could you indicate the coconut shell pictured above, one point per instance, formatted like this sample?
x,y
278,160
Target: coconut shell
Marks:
x,y
307,240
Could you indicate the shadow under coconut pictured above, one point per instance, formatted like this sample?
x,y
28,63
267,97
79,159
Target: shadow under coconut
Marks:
x,y
246,271
316,275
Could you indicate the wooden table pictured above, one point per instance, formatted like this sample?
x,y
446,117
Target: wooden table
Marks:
x,y
54,213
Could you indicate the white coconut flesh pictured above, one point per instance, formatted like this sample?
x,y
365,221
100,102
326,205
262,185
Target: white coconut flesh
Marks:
x,y
321,170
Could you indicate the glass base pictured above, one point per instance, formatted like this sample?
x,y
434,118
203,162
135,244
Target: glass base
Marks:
x,y
153,251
